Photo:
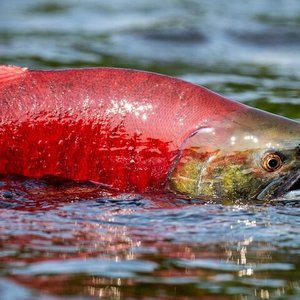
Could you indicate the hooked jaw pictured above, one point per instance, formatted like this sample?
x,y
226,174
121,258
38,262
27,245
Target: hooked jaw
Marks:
x,y
250,154
288,187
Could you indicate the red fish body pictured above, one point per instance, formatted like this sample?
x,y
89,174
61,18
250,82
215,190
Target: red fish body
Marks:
x,y
121,128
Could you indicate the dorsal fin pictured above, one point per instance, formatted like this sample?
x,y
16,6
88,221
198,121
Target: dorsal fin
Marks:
x,y
8,73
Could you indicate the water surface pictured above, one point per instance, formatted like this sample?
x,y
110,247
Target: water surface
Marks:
x,y
71,242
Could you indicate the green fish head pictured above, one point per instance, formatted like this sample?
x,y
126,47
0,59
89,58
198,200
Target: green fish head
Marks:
x,y
250,154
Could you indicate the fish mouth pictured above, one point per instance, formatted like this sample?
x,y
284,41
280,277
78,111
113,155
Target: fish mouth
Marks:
x,y
281,188
295,185
290,189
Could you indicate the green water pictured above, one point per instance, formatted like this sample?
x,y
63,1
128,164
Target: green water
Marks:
x,y
143,247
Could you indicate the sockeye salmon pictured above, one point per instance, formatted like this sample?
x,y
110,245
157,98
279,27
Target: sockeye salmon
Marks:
x,y
136,131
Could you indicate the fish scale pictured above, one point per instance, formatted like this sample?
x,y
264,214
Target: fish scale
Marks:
x,y
137,131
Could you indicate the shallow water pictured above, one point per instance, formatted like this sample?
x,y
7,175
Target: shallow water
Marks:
x,y
75,242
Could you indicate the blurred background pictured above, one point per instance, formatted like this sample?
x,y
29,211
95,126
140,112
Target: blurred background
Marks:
x,y
247,51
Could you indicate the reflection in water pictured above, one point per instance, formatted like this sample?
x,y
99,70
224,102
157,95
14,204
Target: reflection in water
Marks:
x,y
123,246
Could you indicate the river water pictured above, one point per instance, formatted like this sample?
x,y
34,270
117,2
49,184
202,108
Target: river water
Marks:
x,y
69,242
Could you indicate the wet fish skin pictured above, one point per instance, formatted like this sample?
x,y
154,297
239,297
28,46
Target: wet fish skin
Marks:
x,y
124,129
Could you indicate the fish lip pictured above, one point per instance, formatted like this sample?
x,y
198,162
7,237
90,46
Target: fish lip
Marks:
x,y
284,184
286,187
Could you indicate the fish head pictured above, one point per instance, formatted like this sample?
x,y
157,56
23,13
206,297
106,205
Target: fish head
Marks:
x,y
249,154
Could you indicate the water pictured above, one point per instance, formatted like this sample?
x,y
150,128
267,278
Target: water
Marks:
x,y
73,242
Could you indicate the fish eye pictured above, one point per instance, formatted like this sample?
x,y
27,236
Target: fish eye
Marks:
x,y
272,162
